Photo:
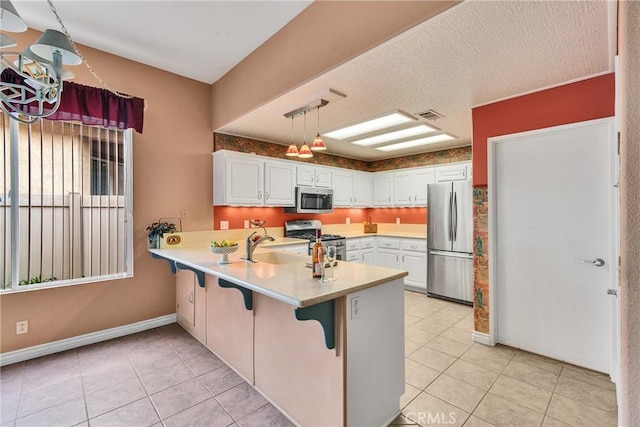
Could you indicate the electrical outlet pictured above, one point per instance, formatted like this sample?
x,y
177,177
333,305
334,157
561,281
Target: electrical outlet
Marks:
x,y
224,225
22,327
397,220
246,223
348,220
355,307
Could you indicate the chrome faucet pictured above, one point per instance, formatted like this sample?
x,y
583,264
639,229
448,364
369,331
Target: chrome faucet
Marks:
x,y
252,244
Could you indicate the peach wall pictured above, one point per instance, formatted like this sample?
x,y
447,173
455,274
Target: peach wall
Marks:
x,y
323,36
629,51
172,171
577,102
275,217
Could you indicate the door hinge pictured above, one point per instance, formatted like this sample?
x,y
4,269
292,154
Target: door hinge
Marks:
x,y
618,143
612,292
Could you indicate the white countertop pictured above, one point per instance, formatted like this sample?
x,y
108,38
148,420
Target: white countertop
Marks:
x,y
289,283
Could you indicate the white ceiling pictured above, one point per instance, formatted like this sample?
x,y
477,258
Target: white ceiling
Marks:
x,y
472,54
201,40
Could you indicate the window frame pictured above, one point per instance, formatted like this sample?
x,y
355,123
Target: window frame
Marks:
x,y
14,161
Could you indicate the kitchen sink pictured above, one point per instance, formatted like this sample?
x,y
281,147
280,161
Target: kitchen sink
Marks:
x,y
279,258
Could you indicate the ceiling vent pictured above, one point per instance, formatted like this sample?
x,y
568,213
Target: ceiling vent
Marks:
x,y
430,115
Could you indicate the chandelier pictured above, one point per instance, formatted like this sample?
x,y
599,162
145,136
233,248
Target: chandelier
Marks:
x,y
31,84
305,151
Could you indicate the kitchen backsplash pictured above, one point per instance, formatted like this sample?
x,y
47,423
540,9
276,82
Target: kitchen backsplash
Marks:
x,y
269,149
275,217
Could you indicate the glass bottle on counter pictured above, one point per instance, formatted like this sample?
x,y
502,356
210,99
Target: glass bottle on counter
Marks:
x,y
317,258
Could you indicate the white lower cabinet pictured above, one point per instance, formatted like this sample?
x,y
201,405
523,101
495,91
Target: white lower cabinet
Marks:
x,y
402,254
191,304
362,250
414,260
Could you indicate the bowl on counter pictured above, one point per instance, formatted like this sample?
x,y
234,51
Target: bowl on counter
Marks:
x,y
224,251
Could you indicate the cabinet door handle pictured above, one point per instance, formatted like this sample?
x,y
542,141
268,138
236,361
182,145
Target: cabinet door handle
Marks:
x,y
389,200
409,198
397,259
191,297
266,196
403,259
259,195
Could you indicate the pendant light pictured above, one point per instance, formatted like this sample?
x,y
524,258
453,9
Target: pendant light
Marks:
x,y
318,143
305,152
292,151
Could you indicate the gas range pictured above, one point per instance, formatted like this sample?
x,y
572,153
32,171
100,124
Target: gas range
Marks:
x,y
307,229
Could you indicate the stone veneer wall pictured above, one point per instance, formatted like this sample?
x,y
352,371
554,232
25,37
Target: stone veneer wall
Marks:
x,y
481,260
460,154
269,149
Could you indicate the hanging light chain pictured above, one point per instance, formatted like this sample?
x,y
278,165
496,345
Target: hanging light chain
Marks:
x,y
86,63
292,130
305,127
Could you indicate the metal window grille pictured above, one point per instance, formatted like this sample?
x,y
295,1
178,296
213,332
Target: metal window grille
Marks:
x,y
65,204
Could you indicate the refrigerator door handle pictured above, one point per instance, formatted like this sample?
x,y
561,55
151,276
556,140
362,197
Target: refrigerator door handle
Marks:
x,y
452,254
455,216
451,216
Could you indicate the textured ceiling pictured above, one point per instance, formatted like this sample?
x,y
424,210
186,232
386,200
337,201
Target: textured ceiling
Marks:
x,y
201,40
474,53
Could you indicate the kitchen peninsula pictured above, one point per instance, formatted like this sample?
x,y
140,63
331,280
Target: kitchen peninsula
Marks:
x,y
323,353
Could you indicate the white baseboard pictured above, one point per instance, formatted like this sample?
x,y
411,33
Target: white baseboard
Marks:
x,y
82,340
483,338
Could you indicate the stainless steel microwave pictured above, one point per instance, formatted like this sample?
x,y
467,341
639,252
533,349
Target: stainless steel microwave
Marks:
x,y
312,200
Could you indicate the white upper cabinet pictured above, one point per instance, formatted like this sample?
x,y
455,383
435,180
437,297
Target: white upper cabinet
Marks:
x,y
352,189
362,189
278,184
313,176
342,188
410,186
249,180
383,189
457,172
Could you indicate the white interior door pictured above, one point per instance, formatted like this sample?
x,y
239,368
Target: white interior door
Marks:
x,y
553,205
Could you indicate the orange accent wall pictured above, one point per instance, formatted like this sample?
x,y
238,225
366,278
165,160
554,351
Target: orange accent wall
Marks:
x,y
275,217
576,102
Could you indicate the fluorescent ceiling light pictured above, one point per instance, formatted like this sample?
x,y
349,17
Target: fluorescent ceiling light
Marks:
x,y
393,136
386,121
417,142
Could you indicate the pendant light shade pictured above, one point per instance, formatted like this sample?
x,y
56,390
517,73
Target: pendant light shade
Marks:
x,y
52,42
318,143
6,41
292,151
10,20
305,152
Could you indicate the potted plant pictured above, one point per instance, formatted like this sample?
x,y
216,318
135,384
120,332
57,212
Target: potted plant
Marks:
x,y
156,230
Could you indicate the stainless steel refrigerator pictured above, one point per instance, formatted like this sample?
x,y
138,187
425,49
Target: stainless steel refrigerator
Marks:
x,y
450,241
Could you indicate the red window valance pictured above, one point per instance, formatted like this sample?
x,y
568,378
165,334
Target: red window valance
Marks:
x,y
92,105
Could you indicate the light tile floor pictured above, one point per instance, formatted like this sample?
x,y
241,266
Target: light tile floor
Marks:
x,y
154,378
452,381
165,377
